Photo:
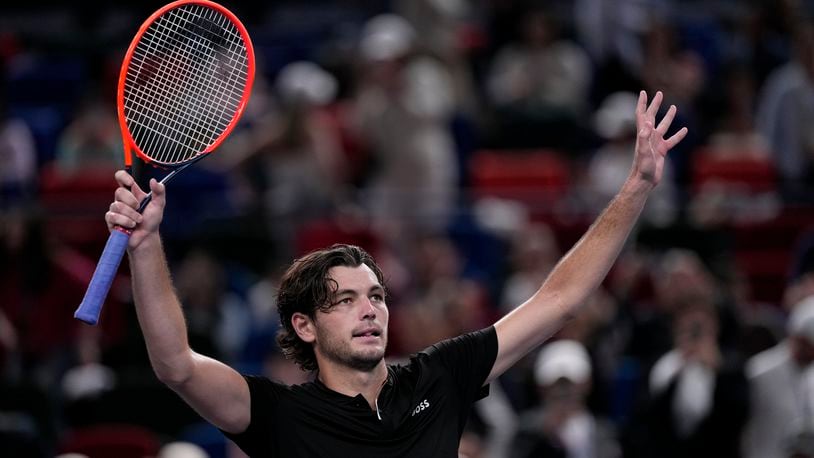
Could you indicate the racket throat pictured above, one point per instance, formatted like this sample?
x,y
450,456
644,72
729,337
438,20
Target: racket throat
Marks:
x,y
149,196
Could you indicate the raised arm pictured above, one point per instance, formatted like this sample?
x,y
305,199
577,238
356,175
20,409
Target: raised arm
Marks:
x,y
584,267
216,391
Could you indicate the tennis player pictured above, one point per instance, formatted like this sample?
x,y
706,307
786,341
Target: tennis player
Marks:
x,y
334,317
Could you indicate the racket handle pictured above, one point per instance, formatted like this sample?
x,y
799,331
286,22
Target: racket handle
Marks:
x,y
91,305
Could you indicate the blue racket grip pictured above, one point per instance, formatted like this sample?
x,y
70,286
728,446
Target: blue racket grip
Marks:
x,y
91,305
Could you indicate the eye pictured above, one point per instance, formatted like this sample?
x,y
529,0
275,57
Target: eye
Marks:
x,y
343,301
377,297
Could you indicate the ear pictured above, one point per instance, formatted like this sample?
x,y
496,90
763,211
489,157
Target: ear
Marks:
x,y
304,327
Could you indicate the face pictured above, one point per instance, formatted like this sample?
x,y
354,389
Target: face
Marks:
x,y
693,326
353,331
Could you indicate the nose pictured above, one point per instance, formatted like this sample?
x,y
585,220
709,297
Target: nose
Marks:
x,y
368,310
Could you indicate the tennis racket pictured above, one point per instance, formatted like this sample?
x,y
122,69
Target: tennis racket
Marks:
x,y
183,85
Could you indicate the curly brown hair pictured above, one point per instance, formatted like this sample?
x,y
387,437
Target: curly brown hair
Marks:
x,y
306,288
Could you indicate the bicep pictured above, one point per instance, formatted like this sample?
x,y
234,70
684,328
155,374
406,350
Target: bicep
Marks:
x,y
218,393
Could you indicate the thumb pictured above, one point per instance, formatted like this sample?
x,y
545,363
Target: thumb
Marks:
x,y
646,131
159,192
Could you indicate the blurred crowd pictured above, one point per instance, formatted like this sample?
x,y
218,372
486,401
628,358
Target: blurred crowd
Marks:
x,y
467,145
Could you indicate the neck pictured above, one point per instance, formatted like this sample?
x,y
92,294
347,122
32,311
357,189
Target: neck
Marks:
x,y
352,382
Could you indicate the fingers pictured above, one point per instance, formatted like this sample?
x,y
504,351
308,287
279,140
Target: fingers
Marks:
x,y
664,125
648,116
126,197
122,215
641,105
127,181
654,105
676,138
123,211
124,179
129,197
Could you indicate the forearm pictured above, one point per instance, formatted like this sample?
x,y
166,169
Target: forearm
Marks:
x,y
574,278
159,312
585,266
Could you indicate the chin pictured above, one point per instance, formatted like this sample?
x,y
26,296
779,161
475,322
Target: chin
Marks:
x,y
373,356
366,363
369,357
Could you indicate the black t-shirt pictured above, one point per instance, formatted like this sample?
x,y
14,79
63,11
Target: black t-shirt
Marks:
x,y
422,408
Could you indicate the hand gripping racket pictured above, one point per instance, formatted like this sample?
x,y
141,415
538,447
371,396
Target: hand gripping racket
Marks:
x,y
184,82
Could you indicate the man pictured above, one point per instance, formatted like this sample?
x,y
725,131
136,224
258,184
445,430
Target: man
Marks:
x,y
334,314
698,398
562,425
781,385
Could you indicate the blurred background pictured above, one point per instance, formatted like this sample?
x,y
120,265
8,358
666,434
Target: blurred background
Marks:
x,y
467,145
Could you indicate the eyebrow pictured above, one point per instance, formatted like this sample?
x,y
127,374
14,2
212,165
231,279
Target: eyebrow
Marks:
x,y
353,292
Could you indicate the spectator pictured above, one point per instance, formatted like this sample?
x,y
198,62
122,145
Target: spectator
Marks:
x,y
288,157
18,155
217,318
534,252
539,84
91,140
781,383
442,301
786,111
697,395
562,425
403,106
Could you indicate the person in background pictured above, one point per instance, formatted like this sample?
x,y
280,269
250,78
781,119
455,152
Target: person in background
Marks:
x,y
785,113
563,425
18,154
402,109
781,385
697,393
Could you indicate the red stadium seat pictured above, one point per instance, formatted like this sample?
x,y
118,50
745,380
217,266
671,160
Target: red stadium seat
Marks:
x,y
534,177
748,173
119,440
75,205
761,240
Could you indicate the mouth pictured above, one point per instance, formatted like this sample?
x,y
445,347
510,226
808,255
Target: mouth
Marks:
x,y
371,333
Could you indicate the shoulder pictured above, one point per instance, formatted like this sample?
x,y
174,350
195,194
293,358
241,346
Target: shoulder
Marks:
x,y
788,77
767,361
781,84
472,340
457,355
466,349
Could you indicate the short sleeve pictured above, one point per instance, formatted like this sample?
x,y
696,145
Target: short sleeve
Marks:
x,y
264,395
468,359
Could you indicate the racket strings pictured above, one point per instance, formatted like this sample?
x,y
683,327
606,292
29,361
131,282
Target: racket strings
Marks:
x,y
196,53
185,83
160,111
181,101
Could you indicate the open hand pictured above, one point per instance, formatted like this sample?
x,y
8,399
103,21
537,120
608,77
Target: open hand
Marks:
x,y
651,146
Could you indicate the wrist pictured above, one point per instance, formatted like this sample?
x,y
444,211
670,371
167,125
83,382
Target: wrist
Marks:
x,y
150,242
635,184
